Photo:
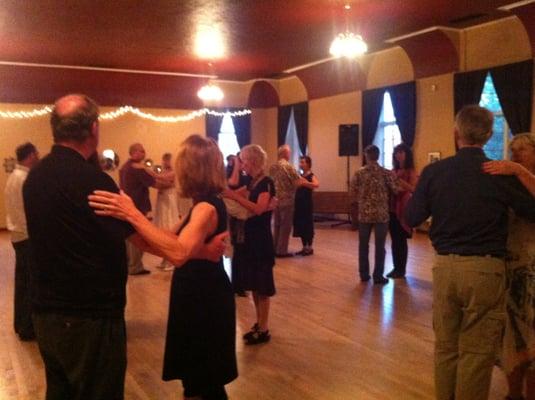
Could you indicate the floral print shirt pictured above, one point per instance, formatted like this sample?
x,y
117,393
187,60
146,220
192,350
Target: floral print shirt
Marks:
x,y
285,176
371,187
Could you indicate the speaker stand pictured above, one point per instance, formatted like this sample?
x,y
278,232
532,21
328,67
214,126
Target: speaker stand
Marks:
x,y
348,221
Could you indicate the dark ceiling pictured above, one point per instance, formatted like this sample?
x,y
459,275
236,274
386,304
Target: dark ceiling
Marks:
x,y
264,37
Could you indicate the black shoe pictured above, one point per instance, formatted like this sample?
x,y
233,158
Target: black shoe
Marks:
x,y
308,252
395,275
284,255
251,333
301,253
380,281
258,337
365,279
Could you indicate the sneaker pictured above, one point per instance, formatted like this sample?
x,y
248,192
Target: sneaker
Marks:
x,y
258,337
251,333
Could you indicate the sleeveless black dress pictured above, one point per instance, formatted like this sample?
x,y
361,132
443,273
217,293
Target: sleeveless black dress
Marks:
x,y
201,330
256,255
304,212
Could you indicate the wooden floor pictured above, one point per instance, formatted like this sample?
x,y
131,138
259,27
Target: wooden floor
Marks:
x,y
333,338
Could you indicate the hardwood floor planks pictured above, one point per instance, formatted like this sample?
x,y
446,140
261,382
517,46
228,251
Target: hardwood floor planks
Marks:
x,y
333,338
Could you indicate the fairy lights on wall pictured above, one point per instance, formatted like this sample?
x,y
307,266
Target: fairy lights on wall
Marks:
x,y
111,115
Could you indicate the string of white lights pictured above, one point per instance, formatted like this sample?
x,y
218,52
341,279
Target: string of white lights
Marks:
x,y
111,115
25,114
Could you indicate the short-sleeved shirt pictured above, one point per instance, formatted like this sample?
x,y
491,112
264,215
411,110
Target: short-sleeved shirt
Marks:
x,y
371,187
80,258
136,182
284,175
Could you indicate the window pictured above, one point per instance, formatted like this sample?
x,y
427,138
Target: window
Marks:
x,y
226,139
497,146
292,140
387,136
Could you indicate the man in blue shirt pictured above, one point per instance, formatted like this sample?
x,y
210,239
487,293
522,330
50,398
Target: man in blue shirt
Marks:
x,y
469,211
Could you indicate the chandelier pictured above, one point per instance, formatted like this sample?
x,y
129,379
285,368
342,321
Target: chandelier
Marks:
x,y
210,92
348,45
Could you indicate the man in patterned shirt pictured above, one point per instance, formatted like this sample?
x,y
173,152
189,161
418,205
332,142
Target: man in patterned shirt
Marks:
x,y
370,188
286,181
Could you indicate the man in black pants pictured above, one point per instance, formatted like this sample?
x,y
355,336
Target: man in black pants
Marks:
x,y
27,158
79,273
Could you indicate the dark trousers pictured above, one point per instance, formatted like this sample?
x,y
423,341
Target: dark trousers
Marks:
x,y
380,231
85,358
206,392
23,299
400,249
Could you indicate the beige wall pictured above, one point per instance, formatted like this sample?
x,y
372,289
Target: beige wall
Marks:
x,y
324,117
496,43
264,131
434,121
117,135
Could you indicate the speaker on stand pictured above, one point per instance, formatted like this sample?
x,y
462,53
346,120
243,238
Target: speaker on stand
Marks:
x,y
348,145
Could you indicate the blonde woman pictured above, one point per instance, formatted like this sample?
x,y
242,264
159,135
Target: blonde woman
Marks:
x,y
200,343
518,356
256,255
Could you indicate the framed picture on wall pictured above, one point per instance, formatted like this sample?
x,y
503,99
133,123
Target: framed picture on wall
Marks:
x,y
433,157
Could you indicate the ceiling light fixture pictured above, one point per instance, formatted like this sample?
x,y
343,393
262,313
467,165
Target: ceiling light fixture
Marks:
x,y
210,92
348,44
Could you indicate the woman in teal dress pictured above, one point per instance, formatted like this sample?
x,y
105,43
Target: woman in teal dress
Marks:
x,y
518,352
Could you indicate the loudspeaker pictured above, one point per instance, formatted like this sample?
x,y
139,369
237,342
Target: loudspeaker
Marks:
x,y
348,140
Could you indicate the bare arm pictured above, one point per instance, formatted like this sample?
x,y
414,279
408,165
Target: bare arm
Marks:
x,y
177,249
310,185
505,167
261,206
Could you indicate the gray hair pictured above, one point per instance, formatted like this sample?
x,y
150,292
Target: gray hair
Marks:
x,y
474,124
256,155
526,138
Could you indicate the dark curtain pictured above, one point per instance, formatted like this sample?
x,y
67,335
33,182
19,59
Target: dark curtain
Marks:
x,y
514,83
467,88
404,103
301,125
372,102
282,122
213,125
242,126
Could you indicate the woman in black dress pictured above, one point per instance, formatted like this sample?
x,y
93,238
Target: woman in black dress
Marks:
x,y
200,344
303,210
256,255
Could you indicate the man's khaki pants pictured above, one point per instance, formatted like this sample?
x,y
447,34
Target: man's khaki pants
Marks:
x,y
468,319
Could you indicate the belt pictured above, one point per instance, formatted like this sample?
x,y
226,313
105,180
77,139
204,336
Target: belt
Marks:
x,y
501,257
